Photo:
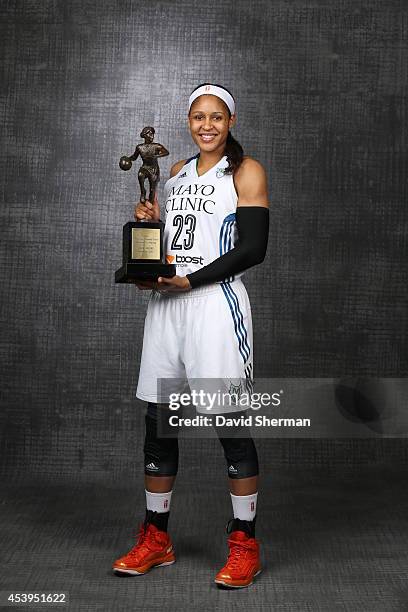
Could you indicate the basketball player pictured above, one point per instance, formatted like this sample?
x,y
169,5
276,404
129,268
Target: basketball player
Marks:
x,y
198,323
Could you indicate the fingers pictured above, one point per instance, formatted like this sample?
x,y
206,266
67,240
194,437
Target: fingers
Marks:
x,y
173,284
168,279
144,211
141,284
162,283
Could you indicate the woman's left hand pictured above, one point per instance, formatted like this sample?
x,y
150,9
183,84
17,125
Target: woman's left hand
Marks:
x,y
175,283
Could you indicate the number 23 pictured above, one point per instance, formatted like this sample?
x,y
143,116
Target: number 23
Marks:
x,y
187,223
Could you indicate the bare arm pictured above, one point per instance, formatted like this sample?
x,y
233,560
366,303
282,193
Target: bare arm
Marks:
x,y
162,151
175,169
135,154
251,184
252,219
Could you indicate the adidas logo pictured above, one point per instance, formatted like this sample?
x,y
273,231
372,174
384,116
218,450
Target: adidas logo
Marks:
x,y
232,469
151,466
183,175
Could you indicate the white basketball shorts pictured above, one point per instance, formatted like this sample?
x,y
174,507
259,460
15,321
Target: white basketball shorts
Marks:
x,y
204,333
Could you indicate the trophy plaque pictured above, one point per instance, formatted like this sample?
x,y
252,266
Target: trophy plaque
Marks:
x,y
142,253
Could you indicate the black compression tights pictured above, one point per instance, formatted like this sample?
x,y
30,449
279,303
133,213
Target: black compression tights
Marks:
x,y
162,453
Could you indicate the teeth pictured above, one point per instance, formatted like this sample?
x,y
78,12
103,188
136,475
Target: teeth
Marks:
x,y
207,136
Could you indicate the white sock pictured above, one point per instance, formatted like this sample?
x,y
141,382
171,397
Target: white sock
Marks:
x,y
244,506
158,502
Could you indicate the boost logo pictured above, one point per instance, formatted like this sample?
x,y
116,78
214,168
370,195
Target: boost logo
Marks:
x,y
184,259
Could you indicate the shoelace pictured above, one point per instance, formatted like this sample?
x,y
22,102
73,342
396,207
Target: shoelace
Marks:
x,y
142,543
237,552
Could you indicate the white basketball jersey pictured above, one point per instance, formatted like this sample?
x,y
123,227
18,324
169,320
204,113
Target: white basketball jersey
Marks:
x,y
200,217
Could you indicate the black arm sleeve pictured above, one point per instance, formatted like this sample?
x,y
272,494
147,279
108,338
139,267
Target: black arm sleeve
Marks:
x,y
253,227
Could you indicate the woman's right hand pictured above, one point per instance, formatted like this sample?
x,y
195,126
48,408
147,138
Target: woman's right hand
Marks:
x,y
148,210
145,284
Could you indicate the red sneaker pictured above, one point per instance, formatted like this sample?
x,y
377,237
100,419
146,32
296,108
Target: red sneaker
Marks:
x,y
153,548
243,562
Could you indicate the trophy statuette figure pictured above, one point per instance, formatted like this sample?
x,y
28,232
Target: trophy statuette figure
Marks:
x,y
143,257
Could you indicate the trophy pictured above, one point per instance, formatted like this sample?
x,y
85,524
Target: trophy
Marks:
x,y
143,257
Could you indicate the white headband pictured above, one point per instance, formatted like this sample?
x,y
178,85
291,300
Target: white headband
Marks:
x,y
213,90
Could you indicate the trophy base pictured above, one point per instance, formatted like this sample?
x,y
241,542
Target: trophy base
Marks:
x,y
131,272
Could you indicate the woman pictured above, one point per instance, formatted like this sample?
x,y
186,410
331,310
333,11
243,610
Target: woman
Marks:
x,y
198,323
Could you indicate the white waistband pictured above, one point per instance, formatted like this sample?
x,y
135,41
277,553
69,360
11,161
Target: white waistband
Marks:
x,y
197,292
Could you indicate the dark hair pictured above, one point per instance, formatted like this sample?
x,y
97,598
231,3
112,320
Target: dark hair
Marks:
x,y
145,130
233,150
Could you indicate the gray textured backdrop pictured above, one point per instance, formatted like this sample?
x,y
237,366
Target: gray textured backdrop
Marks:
x,y
321,91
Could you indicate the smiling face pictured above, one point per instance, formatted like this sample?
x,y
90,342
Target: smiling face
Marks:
x,y
209,123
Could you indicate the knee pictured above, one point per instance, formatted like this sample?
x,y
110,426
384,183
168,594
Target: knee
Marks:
x,y
241,457
161,453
